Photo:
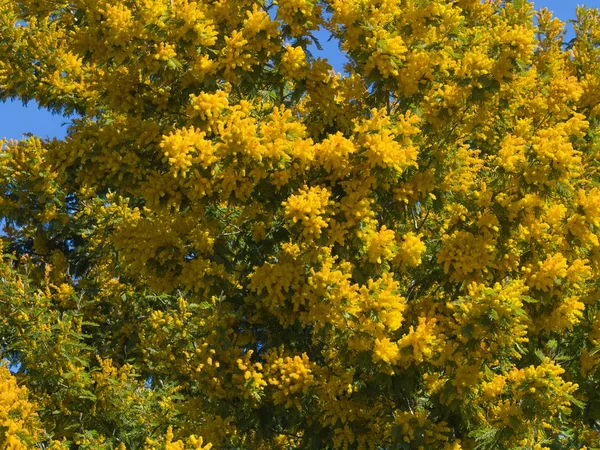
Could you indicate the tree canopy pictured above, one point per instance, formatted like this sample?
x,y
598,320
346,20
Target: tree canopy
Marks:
x,y
235,247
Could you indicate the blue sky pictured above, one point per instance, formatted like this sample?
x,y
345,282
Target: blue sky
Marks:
x,y
16,119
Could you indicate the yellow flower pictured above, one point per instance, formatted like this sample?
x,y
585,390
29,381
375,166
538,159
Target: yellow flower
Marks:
x,y
382,246
386,351
293,62
308,207
186,147
18,418
410,249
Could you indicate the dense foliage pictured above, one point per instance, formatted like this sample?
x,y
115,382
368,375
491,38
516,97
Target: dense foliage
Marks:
x,y
237,248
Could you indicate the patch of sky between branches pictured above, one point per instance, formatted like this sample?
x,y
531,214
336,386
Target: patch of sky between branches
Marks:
x,y
20,119
329,48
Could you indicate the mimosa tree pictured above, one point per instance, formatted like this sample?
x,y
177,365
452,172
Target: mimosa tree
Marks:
x,y
237,248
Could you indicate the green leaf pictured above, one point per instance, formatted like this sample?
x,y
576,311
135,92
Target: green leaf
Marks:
x,y
521,64
174,64
540,354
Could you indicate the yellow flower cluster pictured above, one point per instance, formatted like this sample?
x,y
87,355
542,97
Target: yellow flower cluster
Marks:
x,y
544,383
208,107
420,344
186,147
293,62
301,16
566,315
543,277
382,246
308,207
416,428
465,255
386,351
291,377
383,150
168,443
492,319
411,249
250,377
334,153
18,418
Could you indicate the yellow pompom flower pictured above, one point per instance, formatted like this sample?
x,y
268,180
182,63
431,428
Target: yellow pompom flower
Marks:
x,y
308,207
